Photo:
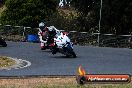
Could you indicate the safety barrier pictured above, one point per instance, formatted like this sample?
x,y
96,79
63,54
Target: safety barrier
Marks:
x,y
21,33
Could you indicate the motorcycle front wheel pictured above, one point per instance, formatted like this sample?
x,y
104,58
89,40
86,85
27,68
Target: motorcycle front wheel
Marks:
x,y
3,43
71,54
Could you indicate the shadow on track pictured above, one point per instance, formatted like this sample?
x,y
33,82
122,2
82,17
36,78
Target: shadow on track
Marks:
x,y
56,56
45,51
62,57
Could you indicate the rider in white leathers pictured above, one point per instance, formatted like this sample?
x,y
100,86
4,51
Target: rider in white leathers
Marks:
x,y
61,39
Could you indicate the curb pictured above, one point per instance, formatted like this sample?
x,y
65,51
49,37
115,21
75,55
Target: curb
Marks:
x,y
37,76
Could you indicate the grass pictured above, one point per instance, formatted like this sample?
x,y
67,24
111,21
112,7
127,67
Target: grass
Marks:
x,y
87,86
60,82
6,62
14,38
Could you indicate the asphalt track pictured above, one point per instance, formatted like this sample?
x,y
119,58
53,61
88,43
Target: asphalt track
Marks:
x,y
95,60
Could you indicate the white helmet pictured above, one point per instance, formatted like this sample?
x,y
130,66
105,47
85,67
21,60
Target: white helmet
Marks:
x,y
41,24
50,28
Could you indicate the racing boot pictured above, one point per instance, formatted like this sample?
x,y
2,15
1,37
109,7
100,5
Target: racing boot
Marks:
x,y
54,50
43,47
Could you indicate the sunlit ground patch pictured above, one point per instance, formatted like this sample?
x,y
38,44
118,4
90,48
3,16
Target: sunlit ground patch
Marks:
x,y
8,63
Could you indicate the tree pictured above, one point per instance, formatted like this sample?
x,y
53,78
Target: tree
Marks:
x,y
27,12
116,15
87,14
83,6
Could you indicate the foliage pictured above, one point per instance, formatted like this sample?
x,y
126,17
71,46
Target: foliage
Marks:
x,y
64,19
88,18
84,6
27,12
116,15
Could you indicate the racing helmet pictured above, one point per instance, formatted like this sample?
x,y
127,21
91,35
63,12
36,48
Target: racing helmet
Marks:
x,y
50,28
41,26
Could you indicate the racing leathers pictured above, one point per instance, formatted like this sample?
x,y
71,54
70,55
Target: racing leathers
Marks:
x,y
42,37
60,40
47,36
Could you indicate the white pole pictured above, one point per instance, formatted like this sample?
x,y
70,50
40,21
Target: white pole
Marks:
x,y
24,31
100,21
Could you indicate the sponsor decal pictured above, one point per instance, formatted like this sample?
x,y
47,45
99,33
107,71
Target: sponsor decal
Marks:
x,y
83,78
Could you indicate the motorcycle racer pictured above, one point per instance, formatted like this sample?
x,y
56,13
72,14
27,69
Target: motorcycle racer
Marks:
x,y
63,45
42,34
52,31
46,35
60,40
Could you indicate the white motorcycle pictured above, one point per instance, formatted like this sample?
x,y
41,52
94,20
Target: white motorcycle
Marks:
x,y
64,45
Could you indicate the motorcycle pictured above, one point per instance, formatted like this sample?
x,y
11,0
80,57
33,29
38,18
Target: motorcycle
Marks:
x,y
2,42
64,46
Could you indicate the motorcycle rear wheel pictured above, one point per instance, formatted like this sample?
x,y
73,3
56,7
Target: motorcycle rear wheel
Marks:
x,y
73,54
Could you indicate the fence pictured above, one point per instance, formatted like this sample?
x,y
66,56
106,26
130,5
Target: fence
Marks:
x,y
20,33
16,33
106,40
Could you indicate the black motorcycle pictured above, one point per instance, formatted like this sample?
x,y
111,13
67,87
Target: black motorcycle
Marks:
x,y
2,42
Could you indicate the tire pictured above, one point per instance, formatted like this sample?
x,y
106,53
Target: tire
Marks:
x,y
43,48
70,52
3,43
81,80
73,54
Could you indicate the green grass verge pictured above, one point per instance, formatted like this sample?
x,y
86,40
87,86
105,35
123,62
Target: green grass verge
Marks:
x,y
72,86
6,62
